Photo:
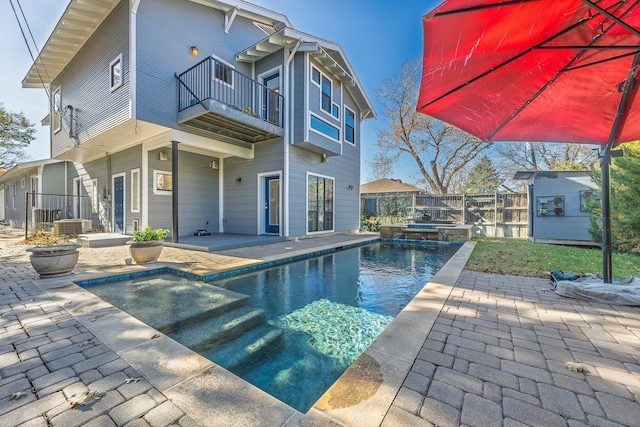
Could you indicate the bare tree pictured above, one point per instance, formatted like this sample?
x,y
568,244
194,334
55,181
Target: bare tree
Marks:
x,y
545,156
16,133
441,152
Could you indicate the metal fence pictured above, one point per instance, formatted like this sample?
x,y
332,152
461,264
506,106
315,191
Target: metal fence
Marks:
x,y
212,79
43,211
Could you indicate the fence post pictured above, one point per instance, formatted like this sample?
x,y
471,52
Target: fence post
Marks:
x,y
495,214
464,208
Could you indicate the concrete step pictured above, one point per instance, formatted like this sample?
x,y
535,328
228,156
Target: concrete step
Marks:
x,y
215,331
247,348
102,240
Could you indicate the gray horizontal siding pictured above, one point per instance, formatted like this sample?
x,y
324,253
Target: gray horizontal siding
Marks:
x,y
574,224
198,193
165,31
85,84
300,74
240,200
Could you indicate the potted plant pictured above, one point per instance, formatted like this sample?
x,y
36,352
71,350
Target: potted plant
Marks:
x,y
146,245
52,255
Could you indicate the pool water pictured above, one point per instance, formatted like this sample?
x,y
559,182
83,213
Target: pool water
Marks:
x,y
309,320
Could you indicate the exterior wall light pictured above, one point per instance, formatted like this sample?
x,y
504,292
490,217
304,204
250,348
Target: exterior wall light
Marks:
x,y
238,180
194,50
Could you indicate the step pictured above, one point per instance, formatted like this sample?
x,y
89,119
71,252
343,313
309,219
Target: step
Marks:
x,y
168,306
217,330
247,348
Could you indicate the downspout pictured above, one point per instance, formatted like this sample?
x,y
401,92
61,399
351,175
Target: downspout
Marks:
x,y
288,58
174,191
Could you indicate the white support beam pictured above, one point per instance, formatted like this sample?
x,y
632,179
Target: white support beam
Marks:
x,y
229,17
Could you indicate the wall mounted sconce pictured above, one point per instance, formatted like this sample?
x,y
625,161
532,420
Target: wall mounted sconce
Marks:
x,y
350,187
324,158
238,180
163,156
214,164
194,50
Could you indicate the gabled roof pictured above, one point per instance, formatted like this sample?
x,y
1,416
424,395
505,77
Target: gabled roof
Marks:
x,y
20,168
386,185
83,17
329,54
78,22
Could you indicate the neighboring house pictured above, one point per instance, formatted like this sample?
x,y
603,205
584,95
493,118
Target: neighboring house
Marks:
x,y
387,197
557,212
209,114
41,176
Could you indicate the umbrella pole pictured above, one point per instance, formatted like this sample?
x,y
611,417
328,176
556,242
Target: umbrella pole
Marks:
x,y
605,163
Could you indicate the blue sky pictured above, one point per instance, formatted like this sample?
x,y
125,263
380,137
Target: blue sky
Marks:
x,y
377,37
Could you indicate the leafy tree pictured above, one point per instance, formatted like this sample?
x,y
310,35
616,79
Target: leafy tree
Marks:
x,y
16,133
441,152
625,201
483,177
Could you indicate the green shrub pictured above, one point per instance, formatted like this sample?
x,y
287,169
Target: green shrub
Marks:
x,y
149,234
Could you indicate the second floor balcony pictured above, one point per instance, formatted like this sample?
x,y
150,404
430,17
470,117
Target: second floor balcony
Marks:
x,y
214,97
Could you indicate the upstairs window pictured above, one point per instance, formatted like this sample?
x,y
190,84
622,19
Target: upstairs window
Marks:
x,y
115,73
223,73
326,103
56,112
349,126
315,76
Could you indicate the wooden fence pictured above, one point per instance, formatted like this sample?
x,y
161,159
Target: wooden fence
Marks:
x,y
493,214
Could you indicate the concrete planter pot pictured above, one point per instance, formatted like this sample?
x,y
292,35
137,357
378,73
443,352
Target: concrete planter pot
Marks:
x,y
144,252
54,261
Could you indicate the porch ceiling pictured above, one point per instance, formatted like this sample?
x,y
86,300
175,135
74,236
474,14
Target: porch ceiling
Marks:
x,y
77,24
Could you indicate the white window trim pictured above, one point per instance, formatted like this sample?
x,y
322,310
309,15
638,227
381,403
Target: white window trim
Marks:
x,y
222,82
111,64
317,132
355,119
157,172
306,202
137,202
318,84
56,110
23,182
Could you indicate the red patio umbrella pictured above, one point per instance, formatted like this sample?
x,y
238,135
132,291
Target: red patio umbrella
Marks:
x,y
537,70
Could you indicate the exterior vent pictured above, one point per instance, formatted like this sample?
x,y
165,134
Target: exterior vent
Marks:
x,y
268,29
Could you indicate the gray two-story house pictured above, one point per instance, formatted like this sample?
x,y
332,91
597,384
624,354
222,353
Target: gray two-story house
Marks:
x,y
203,114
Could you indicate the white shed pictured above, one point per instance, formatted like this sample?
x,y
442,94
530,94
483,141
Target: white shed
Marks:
x,y
557,212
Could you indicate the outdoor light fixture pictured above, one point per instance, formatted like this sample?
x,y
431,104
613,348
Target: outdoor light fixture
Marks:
x,y
194,50
163,156
238,180
350,187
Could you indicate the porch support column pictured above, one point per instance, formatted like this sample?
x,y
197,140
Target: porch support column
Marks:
x,y
174,191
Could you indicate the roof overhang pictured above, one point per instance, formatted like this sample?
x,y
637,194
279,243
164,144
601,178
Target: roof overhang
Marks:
x,y
20,168
329,54
78,22
248,10
527,175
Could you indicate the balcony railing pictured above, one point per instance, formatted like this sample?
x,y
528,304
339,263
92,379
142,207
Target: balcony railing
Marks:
x,y
213,80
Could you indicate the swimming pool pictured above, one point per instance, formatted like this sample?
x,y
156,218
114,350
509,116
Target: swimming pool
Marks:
x,y
303,323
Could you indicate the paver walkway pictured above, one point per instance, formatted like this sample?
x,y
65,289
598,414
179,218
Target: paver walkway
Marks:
x,y
498,354
504,351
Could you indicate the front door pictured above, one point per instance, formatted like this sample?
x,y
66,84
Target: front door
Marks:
x,y
272,204
271,105
118,204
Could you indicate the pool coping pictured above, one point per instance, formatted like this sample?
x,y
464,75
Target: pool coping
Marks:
x,y
210,394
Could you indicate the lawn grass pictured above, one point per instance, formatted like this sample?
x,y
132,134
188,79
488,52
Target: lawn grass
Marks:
x,y
523,258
